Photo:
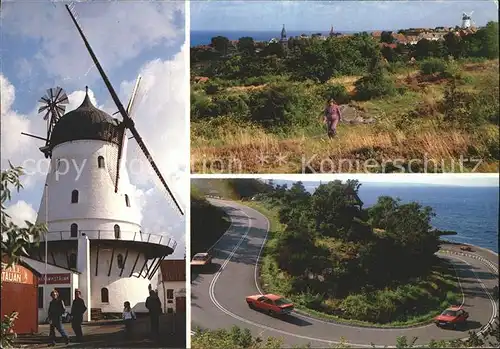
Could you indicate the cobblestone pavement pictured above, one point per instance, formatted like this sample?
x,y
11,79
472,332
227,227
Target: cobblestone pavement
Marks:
x,y
105,334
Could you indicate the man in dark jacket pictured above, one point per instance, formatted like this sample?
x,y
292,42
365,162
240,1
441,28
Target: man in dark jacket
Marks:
x,y
56,311
153,304
78,308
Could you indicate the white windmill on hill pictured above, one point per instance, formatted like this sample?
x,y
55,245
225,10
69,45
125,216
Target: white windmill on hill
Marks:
x,y
467,20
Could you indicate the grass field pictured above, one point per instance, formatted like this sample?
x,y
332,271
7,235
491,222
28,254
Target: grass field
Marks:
x,y
406,137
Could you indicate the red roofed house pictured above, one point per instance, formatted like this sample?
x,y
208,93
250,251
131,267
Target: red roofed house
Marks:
x,y
172,285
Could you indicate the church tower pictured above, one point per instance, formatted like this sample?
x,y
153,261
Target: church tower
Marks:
x,y
284,38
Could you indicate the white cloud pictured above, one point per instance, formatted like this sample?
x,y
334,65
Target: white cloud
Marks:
x,y
22,150
129,27
20,212
18,149
160,119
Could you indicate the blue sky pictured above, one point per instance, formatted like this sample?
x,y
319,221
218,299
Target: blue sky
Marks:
x,y
343,15
132,38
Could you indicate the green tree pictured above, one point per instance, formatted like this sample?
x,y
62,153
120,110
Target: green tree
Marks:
x,y
490,40
220,44
387,37
375,84
16,241
246,45
313,63
453,44
423,49
274,48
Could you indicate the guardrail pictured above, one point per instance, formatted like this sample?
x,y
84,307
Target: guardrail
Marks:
x,y
472,255
140,236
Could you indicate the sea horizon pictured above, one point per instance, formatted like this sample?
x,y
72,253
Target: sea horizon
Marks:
x,y
471,211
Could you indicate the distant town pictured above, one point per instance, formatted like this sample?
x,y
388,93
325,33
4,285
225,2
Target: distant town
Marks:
x,y
391,39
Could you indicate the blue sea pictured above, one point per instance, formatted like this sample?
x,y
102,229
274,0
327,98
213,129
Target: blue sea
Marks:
x,y
470,211
204,37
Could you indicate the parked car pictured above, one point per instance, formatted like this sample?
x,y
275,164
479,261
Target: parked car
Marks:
x,y
270,303
452,317
466,248
201,259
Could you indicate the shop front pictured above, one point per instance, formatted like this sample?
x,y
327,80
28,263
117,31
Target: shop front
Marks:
x,y
19,294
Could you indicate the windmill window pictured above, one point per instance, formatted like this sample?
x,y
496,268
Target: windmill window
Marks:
x,y
127,200
117,231
72,261
104,295
100,162
119,260
74,196
74,230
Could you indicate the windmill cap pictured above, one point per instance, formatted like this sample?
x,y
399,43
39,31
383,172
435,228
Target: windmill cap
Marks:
x,y
85,123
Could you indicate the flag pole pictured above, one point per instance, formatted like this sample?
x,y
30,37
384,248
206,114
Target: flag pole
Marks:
x,y
46,235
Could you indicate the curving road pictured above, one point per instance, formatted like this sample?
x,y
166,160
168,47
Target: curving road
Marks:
x,y
218,294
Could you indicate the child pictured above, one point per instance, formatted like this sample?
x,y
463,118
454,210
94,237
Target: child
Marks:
x,y
128,317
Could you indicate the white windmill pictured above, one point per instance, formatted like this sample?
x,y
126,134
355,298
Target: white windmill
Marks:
x,y
95,241
467,20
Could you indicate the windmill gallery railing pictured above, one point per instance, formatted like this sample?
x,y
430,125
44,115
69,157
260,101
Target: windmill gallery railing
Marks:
x,y
160,239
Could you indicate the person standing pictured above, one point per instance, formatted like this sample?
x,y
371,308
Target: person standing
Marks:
x,y
78,308
56,311
128,318
332,117
153,304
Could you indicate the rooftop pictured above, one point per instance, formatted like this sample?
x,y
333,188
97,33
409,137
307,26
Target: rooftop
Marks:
x,y
173,270
85,122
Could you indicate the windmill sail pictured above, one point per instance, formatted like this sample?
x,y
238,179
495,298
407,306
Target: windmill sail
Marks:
x,y
54,105
123,134
127,121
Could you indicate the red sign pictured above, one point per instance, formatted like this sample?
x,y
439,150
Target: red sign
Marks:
x,y
56,279
17,274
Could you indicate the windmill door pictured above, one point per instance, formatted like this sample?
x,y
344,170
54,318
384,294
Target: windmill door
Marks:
x,y
180,304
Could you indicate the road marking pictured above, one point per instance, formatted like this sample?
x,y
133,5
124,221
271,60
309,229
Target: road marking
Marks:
x,y
303,316
492,301
265,327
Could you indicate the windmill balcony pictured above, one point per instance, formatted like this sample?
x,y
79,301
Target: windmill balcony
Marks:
x,y
150,241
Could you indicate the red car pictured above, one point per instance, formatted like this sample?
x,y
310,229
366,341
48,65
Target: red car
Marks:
x,y
466,248
270,303
452,316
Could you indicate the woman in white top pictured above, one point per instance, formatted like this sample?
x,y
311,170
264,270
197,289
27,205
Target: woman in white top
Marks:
x,y
128,317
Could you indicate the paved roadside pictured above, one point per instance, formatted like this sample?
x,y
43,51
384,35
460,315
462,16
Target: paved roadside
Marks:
x,y
107,334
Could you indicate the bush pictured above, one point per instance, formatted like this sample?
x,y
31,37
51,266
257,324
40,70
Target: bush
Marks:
x,y
374,85
465,109
282,106
212,88
337,92
231,104
201,105
433,66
